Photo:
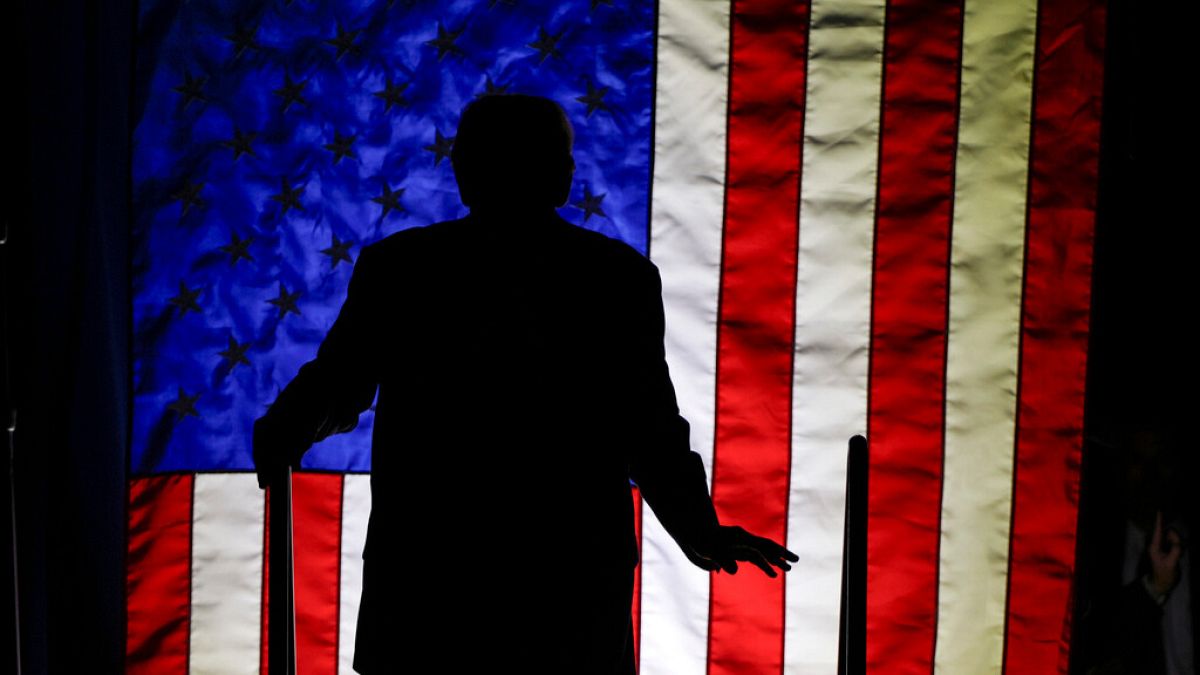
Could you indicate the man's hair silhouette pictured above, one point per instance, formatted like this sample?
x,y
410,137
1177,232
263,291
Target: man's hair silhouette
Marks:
x,y
522,384
513,151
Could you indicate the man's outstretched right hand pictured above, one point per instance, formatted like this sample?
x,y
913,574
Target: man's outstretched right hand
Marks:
x,y
731,543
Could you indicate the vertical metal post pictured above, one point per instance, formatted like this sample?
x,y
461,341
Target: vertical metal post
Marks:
x,y
281,614
16,580
9,407
852,647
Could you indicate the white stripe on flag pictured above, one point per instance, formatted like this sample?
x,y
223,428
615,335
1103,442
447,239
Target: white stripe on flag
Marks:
x,y
227,567
987,254
356,507
833,312
685,242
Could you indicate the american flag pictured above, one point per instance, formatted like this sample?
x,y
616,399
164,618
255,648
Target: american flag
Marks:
x,y
869,216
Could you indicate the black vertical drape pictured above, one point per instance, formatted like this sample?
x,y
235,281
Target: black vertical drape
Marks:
x,y
67,208
1141,352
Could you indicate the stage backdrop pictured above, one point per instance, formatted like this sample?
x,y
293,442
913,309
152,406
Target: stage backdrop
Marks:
x,y
870,217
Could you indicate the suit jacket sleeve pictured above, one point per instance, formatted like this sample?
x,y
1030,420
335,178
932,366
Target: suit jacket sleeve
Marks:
x,y
670,475
332,390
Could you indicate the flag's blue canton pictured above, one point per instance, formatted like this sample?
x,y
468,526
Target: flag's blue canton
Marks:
x,y
275,140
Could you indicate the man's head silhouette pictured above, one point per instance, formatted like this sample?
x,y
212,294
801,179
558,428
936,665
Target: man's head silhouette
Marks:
x,y
513,152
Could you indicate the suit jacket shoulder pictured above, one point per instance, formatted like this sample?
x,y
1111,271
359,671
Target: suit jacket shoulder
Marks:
x,y
412,240
607,258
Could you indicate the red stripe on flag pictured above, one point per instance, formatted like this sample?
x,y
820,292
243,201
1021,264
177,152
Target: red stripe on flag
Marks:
x,y
908,331
317,555
158,584
1054,327
264,635
751,457
637,577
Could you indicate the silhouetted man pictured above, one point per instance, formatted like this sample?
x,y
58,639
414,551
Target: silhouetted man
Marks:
x,y
522,384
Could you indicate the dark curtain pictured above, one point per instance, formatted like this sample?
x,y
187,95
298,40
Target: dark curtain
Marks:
x,y
1141,353
66,277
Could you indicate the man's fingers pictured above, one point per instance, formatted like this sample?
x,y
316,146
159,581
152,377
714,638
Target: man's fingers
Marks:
x,y
763,553
757,558
774,558
777,559
772,551
776,551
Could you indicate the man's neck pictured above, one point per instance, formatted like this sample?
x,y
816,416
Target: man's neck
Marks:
x,y
532,215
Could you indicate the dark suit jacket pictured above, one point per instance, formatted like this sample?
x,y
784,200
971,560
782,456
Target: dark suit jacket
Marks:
x,y
521,386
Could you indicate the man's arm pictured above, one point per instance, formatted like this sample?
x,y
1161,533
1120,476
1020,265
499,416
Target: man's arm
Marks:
x,y
329,392
670,475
